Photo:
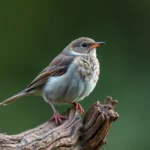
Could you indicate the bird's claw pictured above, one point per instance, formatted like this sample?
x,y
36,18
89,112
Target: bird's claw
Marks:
x,y
78,107
58,118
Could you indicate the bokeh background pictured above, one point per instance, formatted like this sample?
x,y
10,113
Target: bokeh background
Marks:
x,y
33,32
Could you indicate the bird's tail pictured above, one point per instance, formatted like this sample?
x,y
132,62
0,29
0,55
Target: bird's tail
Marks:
x,y
14,98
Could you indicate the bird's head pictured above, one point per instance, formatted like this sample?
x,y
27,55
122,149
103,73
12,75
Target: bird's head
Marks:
x,y
83,46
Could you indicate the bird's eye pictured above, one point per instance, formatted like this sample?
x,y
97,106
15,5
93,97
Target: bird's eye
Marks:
x,y
84,45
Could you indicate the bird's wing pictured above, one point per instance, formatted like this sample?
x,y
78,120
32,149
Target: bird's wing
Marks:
x,y
57,67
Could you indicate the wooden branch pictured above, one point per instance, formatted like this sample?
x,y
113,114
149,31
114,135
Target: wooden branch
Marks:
x,y
73,134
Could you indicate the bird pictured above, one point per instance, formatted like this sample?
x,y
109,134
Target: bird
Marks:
x,y
70,77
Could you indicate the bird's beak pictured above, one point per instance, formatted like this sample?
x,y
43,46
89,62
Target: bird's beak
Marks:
x,y
97,44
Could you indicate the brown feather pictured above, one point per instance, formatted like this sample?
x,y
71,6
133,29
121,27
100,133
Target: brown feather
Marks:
x,y
57,67
14,98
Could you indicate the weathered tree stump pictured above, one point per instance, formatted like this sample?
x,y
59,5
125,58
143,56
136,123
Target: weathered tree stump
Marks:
x,y
73,134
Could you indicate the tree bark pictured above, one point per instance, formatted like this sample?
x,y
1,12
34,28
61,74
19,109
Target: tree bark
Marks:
x,y
72,134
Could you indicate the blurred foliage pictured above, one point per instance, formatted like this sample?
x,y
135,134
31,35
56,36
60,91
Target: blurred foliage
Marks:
x,y
33,32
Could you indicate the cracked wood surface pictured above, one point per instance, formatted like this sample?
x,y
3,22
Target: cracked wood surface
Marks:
x,y
72,134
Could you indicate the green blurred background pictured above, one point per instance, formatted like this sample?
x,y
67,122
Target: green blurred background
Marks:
x,y
33,32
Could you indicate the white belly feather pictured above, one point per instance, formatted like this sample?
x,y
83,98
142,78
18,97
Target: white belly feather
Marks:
x,y
69,87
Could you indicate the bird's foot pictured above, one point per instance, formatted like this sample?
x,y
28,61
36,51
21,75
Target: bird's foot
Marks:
x,y
58,118
78,107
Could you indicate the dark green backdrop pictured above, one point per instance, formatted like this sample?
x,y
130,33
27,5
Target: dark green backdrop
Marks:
x,y
32,32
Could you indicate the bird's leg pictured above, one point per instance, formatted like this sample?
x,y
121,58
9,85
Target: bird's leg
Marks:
x,y
56,116
78,107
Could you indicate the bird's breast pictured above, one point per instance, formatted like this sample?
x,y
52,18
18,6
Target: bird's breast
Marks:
x,y
87,68
77,83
